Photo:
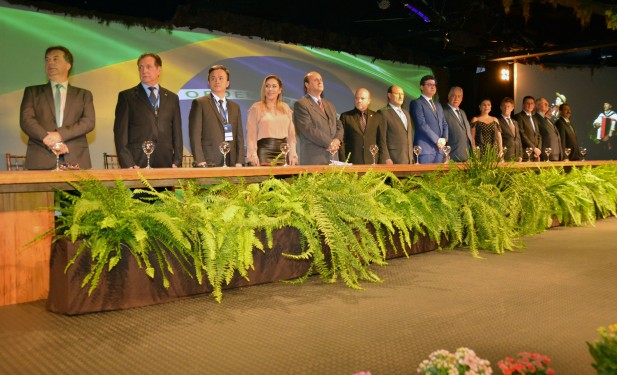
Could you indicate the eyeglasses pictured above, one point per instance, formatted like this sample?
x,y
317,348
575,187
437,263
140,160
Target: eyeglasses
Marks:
x,y
430,84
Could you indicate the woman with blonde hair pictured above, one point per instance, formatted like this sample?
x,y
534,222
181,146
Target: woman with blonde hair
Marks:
x,y
269,125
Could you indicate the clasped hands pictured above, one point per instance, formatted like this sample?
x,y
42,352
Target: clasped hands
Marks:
x,y
334,145
52,138
441,143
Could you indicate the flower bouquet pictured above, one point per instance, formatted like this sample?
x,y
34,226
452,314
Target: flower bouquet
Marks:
x,y
462,362
526,363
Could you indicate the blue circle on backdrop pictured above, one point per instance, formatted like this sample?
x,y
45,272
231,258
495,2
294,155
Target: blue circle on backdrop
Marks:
x,y
246,75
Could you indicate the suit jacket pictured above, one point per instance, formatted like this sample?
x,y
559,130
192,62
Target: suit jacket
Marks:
x,y
357,142
315,130
398,140
550,138
137,121
38,116
529,136
430,126
511,139
206,132
459,134
568,138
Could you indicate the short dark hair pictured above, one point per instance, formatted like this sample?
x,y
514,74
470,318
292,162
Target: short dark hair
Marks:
x,y
529,97
563,105
427,77
157,58
507,99
217,67
68,56
390,89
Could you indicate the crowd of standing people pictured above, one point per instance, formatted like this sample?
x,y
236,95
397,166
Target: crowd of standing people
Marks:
x,y
57,117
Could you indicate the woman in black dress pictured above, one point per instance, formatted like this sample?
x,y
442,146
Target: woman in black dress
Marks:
x,y
485,128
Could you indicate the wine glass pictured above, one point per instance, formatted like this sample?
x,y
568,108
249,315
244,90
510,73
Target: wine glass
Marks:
x,y
503,153
548,151
583,151
374,149
528,151
224,147
417,150
567,151
56,148
446,150
332,149
148,147
285,150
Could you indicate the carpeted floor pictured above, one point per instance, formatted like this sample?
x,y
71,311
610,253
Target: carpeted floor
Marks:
x,y
549,297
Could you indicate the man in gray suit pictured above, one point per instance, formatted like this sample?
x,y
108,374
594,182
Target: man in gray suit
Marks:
x,y
459,130
530,133
510,132
550,134
148,112
362,128
214,119
319,130
398,129
57,112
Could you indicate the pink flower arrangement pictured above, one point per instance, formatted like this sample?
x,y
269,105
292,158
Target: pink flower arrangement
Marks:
x,y
462,362
526,363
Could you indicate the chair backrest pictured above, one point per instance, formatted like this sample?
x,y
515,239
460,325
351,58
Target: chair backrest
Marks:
x,y
15,162
110,161
187,161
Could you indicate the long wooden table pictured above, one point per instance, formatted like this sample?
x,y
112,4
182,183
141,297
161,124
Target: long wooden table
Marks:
x,y
26,196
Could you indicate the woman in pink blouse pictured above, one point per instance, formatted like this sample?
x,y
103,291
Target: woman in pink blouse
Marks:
x,y
269,125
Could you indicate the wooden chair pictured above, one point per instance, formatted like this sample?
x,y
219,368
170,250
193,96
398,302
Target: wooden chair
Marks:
x,y
187,161
15,162
110,161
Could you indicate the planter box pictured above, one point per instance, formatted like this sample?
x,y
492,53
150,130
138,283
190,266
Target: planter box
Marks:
x,y
128,286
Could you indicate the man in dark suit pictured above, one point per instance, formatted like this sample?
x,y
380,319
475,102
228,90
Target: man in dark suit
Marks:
x,y
459,130
148,112
213,120
550,134
398,129
430,121
318,129
57,112
361,129
567,132
530,133
510,132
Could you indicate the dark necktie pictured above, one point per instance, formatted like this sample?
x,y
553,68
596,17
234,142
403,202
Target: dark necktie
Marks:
x,y
458,115
363,121
152,97
433,105
222,110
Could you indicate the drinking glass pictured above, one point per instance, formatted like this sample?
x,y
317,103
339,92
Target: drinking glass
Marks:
x,y
568,151
417,150
285,150
148,147
374,149
528,151
503,153
548,151
224,147
446,150
56,148
583,151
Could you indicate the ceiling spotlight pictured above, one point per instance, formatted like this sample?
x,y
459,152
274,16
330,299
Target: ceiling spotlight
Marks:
x,y
505,74
383,4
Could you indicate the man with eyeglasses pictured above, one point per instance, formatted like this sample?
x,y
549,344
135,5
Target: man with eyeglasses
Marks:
x,y
430,121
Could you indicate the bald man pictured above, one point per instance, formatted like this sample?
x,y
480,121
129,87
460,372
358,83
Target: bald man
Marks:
x,y
398,129
362,128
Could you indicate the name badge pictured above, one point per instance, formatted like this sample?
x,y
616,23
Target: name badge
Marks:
x,y
228,134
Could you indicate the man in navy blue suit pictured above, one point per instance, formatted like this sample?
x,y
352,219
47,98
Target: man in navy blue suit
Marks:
x,y
430,121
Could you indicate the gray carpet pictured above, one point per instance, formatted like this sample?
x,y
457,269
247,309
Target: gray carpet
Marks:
x,y
549,297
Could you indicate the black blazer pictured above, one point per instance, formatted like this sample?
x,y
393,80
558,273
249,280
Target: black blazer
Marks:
x,y
511,139
206,132
529,137
136,121
357,142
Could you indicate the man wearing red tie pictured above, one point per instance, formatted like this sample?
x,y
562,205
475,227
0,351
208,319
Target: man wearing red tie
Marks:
x,y
318,129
